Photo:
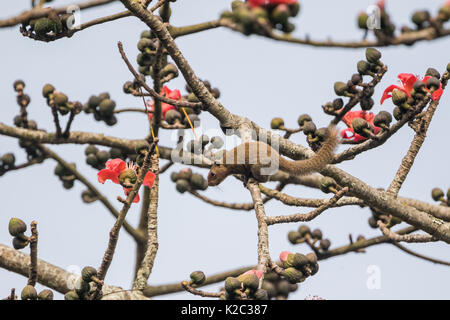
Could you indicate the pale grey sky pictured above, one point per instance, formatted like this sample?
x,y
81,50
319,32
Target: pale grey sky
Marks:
x,y
258,78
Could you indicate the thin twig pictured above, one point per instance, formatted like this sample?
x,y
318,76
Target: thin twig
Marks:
x,y
307,216
201,293
32,277
405,238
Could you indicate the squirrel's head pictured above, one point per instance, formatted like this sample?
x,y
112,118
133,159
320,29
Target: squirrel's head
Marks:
x,y
217,174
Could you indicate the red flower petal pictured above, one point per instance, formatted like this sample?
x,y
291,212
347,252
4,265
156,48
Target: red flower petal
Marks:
x,y
387,93
258,273
149,179
437,94
284,255
117,165
107,174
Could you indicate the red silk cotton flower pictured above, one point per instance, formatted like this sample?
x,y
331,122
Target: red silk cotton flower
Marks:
x,y
166,92
121,173
261,3
406,85
349,133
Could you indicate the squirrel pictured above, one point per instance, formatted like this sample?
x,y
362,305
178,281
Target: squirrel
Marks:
x,y
258,160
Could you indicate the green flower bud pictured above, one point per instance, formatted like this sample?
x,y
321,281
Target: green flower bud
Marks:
x,y
382,119
232,284
437,194
261,294
172,116
433,83
94,101
92,160
145,43
327,184
312,258
302,119
399,97
362,20
182,185
277,123
419,17
19,85
128,178
169,69
340,88
47,90
19,243
106,107
299,260
90,149
309,128
110,121
363,67
433,73
116,153
373,55
280,14
304,230
146,34
373,222
356,79
88,273
294,236
174,176
29,293
71,295
44,25
197,181
366,103
283,287
316,234
197,277
361,126
185,174
293,275
102,156
237,4
419,87
249,280
60,99
444,12
16,227
270,288
325,244
68,184
8,159
448,67
45,294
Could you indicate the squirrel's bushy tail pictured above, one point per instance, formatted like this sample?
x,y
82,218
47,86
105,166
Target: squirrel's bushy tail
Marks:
x,y
317,162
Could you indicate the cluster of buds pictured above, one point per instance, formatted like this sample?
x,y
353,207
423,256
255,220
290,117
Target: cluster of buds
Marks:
x,y
385,29
313,238
389,220
51,25
23,100
29,293
255,16
82,288
297,267
423,19
17,229
412,90
147,45
245,286
102,107
96,158
438,195
277,287
186,180
60,100
65,175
